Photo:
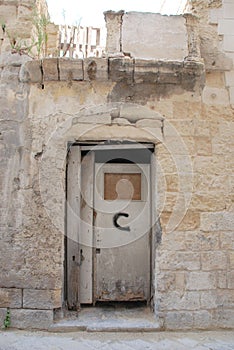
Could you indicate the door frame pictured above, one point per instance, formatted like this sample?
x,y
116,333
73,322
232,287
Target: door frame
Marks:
x,y
73,223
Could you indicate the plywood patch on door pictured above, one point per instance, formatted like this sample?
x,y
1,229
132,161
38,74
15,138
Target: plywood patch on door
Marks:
x,y
122,186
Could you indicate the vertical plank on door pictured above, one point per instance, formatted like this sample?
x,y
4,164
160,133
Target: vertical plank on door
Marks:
x,y
153,226
73,227
86,242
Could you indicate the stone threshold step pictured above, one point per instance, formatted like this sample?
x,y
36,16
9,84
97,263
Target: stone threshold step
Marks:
x,y
66,327
108,320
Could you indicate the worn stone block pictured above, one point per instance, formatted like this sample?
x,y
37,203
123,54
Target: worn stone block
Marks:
x,y
169,260
215,96
228,43
230,279
149,123
121,69
10,297
208,202
113,24
225,298
182,127
231,93
224,318
217,61
135,112
3,312
70,69
170,73
203,319
24,13
220,221
215,79
166,281
31,72
96,69
216,260
229,77
178,320
211,183
222,279
120,121
231,259
179,300
210,165
13,59
50,69
215,15
31,319
226,26
226,132
193,75
174,241
201,280
41,299
209,299
203,146
190,221
8,14
99,118
165,162
172,183
25,28
193,240
202,127
146,71
222,147
209,241
226,240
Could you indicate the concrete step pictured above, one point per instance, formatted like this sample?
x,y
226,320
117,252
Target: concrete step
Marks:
x,y
101,319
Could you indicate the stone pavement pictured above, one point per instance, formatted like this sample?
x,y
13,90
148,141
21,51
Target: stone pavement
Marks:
x,y
25,340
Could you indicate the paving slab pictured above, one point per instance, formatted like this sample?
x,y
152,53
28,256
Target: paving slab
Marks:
x,y
25,340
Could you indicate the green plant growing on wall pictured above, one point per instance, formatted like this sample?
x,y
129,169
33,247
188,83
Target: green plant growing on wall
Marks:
x,y
36,47
41,22
20,46
3,25
7,320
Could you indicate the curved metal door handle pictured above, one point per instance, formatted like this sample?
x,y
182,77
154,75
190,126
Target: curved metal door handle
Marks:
x,y
115,219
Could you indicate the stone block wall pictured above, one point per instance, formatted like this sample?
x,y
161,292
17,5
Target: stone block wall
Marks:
x,y
143,35
185,108
224,18
195,270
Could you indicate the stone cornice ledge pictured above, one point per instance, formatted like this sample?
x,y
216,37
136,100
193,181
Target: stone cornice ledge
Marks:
x,y
187,73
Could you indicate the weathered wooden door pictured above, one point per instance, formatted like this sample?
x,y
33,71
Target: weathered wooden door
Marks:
x,y
108,224
122,232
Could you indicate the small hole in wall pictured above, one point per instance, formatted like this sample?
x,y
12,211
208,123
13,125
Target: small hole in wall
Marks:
x,y
73,258
42,86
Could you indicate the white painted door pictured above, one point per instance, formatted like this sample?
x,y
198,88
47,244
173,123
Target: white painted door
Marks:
x,y
122,232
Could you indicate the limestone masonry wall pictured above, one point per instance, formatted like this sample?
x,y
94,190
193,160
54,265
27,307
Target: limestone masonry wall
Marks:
x,y
184,104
